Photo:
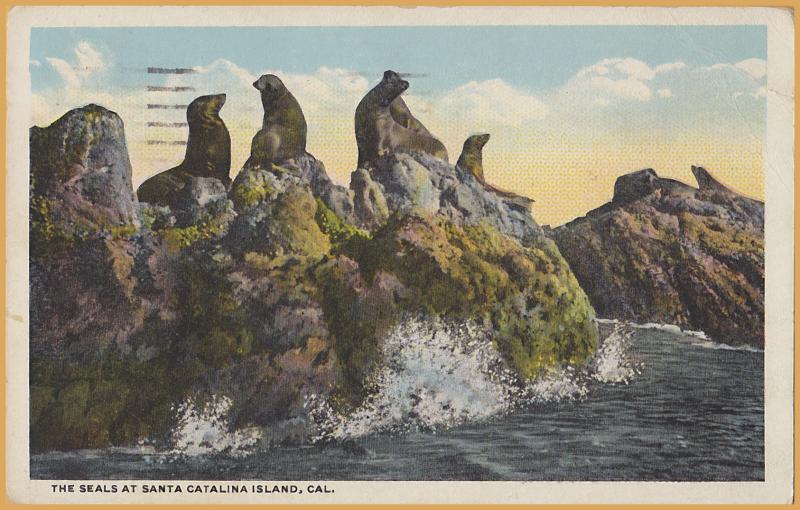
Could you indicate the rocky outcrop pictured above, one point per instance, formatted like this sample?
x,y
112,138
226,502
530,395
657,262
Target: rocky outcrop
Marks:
x,y
282,288
420,182
88,265
80,172
663,251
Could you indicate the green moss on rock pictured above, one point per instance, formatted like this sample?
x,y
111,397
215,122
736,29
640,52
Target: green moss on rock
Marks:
x,y
177,238
252,187
342,235
358,316
528,294
46,238
98,402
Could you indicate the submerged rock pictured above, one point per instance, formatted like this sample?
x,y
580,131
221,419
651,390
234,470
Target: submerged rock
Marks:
x,y
663,251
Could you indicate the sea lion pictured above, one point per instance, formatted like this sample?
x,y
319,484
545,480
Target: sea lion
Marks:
x,y
378,133
208,152
283,131
471,160
403,116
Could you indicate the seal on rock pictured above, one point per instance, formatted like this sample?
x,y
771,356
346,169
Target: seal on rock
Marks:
x,y
208,152
283,131
378,133
471,160
403,116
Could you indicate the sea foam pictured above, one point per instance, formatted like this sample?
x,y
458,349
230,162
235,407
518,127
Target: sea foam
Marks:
x,y
439,374
203,429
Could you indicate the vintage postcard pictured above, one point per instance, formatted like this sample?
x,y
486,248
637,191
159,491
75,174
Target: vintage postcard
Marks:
x,y
387,255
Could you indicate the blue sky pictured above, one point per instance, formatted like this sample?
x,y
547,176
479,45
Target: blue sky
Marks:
x,y
563,103
542,56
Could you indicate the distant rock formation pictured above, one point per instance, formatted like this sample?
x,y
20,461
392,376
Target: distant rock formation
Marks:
x,y
663,251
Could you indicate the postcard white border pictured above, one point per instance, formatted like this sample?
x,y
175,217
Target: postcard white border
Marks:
x,y
779,251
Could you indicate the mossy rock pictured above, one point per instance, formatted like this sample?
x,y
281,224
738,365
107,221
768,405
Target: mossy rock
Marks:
x,y
528,295
358,314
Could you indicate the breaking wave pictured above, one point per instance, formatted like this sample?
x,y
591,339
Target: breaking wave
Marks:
x,y
706,342
439,374
203,430
725,347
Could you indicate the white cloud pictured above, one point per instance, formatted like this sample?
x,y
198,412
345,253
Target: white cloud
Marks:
x,y
65,70
35,63
755,68
760,93
616,79
670,66
629,88
664,93
488,103
87,61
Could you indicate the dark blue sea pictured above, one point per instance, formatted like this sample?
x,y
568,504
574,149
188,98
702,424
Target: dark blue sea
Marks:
x,y
662,405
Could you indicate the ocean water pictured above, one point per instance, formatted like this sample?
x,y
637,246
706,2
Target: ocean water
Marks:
x,y
655,403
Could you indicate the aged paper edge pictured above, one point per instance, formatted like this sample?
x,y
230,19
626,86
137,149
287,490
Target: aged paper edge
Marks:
x,y
779,236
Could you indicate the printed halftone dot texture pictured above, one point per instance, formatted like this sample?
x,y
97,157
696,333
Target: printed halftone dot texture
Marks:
x,y
568,181
568,168
333,141
566,178
330,138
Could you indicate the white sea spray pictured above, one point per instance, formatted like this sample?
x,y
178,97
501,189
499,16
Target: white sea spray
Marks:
x,y
612,362
439,374
435,374
203,429
725,347
707,342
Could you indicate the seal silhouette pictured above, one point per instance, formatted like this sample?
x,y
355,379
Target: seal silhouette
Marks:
x,y
471,160
283,130
208,152
378,133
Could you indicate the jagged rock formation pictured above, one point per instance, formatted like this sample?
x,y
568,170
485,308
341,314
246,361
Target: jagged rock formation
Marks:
x,y
663,251
282,288
84,252
419,181
80,167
